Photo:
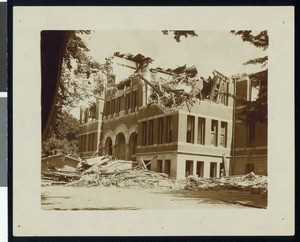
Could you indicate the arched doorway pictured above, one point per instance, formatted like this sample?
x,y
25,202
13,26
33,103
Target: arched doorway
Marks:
x,y
108,146
120,146
132,145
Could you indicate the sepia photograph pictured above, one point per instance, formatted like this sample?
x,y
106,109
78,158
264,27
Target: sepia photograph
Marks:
x,y
163,119
132,121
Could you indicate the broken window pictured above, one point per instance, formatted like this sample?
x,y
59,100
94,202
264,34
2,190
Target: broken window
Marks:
x,y
213,169
148,164
214,132
159,166
251,135
201,131
200,169
223,93
169,129
168,167
223,134
160,130
134,99
151,122
144,133
113,103
190,129
128,101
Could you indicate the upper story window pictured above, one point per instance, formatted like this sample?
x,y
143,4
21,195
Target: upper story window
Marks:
x,y
107,108
160,131
127,101
118,105
251,135
223,134
214,132
134,99
169,129
190,129
151,126
201,131
113,104
144,133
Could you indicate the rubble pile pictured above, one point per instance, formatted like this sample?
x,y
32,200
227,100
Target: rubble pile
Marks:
x,y
133,178
105,171
255,184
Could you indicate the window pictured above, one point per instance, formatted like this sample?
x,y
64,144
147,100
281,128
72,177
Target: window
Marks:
x,y
159,166
213,169
118,106
169,129
249,167
214,132
127,101
189,168
90,142
113,106
168,167
151,122
107,108
224,89
200,168
134,99
190,129
148,164
86,148
144,133
160,131
251,135
201,131
223,134
80,143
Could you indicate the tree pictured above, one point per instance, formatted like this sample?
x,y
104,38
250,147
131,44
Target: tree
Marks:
x,y
257,110
79,80
62,136
79,72
179,33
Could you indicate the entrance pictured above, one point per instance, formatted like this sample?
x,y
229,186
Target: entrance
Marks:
x,y
120,146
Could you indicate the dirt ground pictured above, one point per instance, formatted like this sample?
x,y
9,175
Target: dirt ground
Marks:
x,y
111,198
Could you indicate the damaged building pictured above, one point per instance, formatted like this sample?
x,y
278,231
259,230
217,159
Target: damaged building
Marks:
x,y
175,121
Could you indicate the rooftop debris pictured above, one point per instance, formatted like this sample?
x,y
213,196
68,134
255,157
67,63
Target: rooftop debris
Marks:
x,y
182,86
174,88
139,58
107,171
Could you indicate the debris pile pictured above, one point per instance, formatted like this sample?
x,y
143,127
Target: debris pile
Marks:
x,y
255,184
105,171
132,178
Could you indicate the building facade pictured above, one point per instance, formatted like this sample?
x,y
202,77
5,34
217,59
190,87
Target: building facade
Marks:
x,y
250,149
194,139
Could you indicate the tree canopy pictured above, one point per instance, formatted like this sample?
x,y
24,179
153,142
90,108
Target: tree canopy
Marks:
x,y
257,110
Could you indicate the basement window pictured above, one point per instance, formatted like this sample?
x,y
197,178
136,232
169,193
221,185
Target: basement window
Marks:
x,y
159,166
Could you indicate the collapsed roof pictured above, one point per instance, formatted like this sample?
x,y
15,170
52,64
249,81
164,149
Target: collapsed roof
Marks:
x,y
173,88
